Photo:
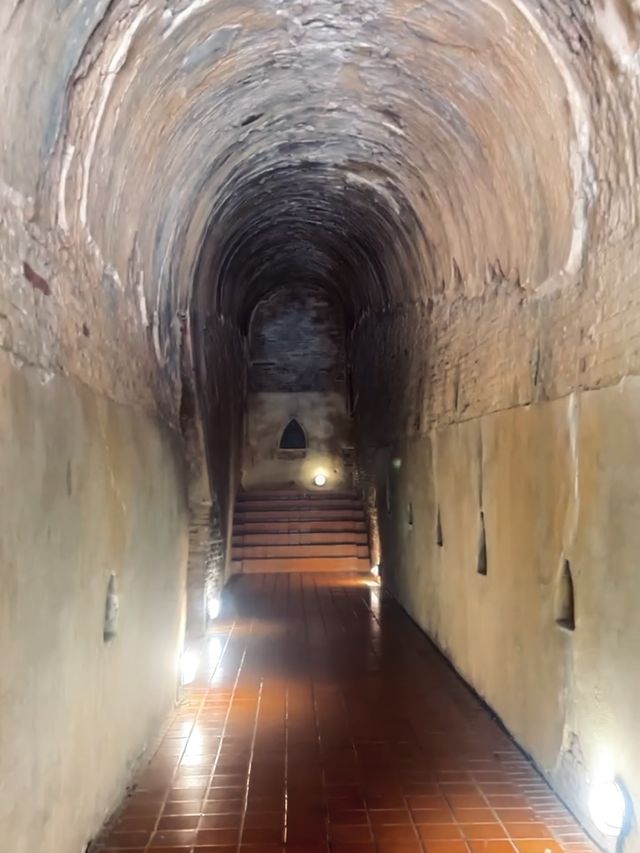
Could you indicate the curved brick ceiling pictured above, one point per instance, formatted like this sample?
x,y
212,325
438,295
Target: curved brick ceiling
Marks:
x,y
388,150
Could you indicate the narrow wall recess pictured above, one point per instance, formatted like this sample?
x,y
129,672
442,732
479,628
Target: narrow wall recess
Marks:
x,y
565,599
439,537
111,610
482,548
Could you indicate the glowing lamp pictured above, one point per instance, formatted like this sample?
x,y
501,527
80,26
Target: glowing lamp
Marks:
x,y
319,479
213,608
188,666
607,805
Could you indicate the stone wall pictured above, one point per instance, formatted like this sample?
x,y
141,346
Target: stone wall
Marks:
x,y
327,426
512,440
88,488
461,177
220,382
297,369
555,482
297,343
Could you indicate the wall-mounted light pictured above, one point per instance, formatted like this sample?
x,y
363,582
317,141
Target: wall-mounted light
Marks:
x,y
189,665
375,571
608,806
319,479
213,607
607,798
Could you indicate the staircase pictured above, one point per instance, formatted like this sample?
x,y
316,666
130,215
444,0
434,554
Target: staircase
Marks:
x,y
294,531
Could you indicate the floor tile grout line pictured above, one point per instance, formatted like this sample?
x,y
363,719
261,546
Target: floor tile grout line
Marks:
x,y
314,699
355,753
290,620
175,770
251,758
230,702
286,765
343,664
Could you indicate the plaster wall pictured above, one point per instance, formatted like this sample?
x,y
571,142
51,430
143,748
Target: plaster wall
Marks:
x,y
326,422
556,480
167,165
87,487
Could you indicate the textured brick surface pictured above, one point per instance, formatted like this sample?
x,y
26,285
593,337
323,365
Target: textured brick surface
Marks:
x,y
297,343
460,177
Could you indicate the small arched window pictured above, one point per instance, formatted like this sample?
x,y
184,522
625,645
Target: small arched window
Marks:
x,y
293,437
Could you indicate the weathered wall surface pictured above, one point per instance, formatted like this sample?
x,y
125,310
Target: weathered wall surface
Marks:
x,y
555,481
297,369
87,487
327,426
297,343
215,461
461,177
519,402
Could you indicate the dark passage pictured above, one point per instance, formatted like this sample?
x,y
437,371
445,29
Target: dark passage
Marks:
x,y
293,437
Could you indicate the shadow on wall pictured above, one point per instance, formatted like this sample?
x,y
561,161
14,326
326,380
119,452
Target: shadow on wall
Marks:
x,y
298,428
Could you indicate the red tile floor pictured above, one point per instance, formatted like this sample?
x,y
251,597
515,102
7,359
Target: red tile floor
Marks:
x,y
323,720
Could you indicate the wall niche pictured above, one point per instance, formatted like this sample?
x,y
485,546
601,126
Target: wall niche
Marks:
x,y
293,436
482,565
111,611
565,607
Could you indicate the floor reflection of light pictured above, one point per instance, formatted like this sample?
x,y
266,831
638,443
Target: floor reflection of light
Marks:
x,y
184,728
194,745
213,607
214,653
189,665
192,760
374,603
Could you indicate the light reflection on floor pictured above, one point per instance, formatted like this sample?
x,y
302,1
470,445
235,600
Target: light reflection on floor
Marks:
x,y
321,719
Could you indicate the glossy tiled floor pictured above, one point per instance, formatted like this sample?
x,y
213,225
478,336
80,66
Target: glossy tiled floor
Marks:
x,y
323,721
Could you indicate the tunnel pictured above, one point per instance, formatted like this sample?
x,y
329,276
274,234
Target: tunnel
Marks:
x,y
372,266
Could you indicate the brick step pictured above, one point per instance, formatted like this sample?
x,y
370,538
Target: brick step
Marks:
x,y
292,494
295,538
306,564
314,514
297,505
291,531
305,526
272,552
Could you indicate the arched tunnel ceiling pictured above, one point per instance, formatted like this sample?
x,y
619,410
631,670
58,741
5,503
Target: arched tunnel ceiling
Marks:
x,y
317,133
389,151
